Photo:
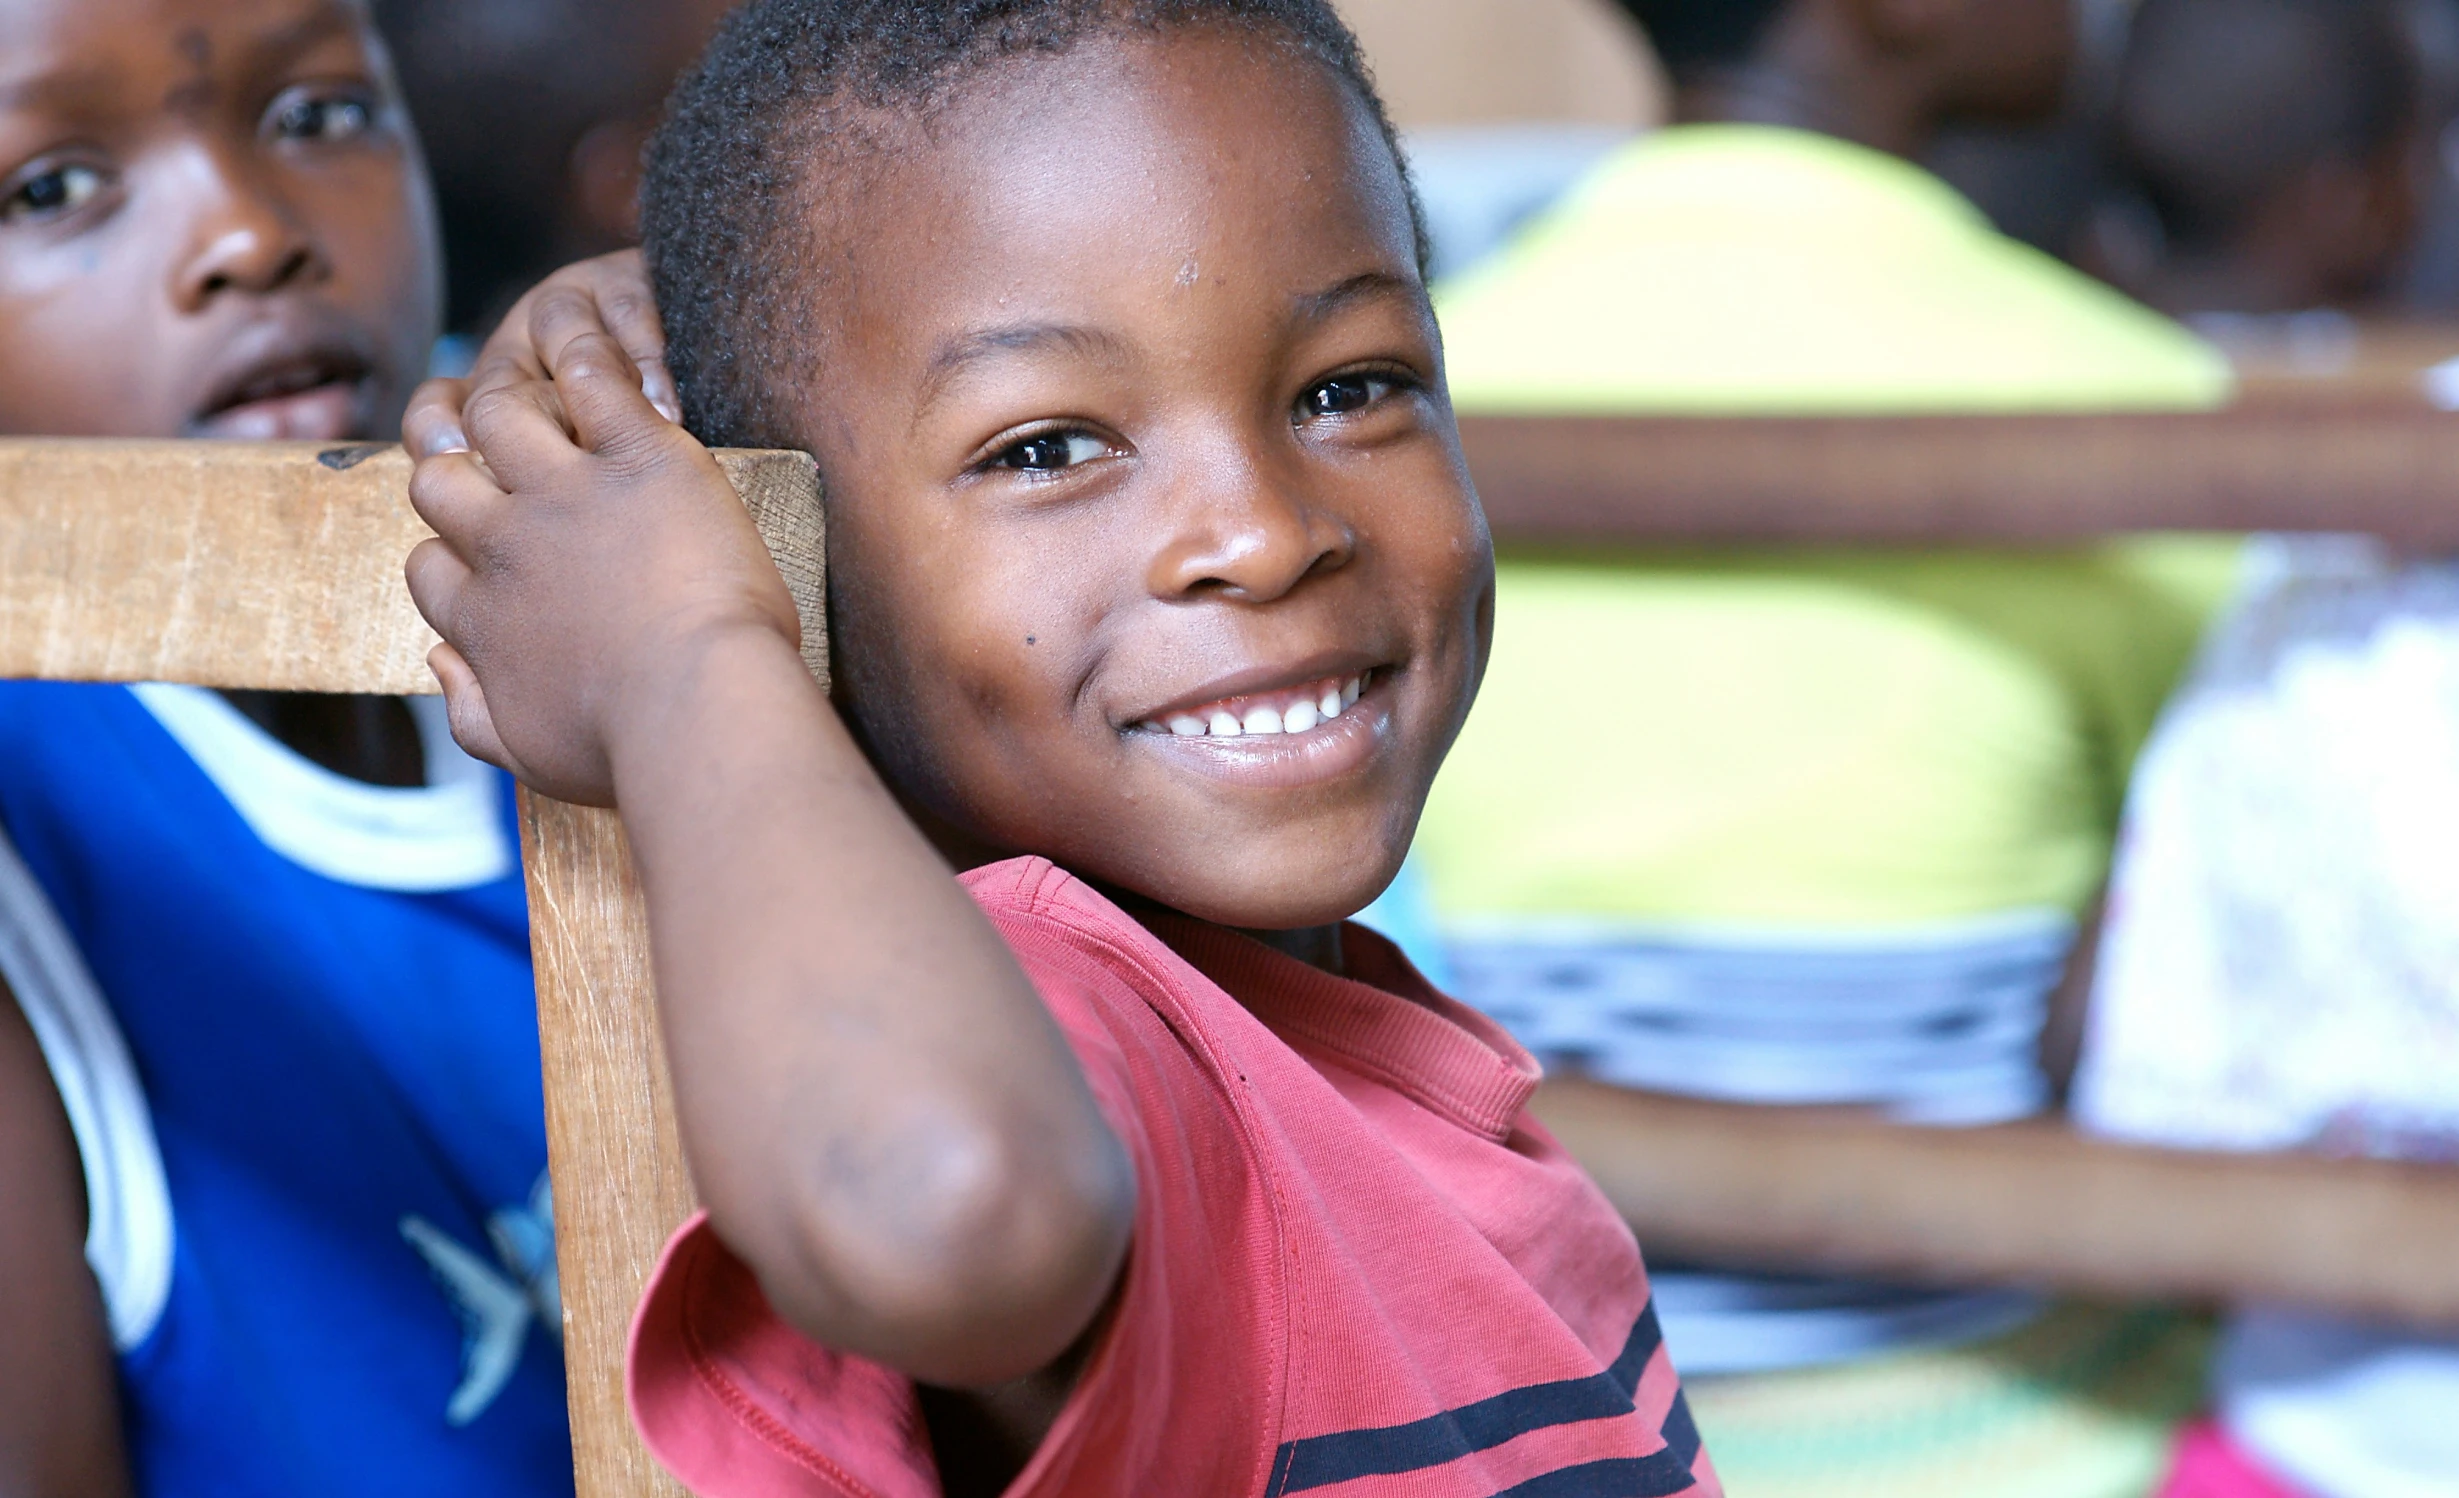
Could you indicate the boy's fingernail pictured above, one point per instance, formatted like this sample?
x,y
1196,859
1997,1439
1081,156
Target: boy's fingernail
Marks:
x,y
451,440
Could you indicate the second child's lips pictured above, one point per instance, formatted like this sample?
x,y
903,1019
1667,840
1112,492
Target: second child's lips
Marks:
x,y
305,389
321,413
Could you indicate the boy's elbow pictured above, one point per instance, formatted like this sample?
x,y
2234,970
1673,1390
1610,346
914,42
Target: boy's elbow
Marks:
x,y
973,1259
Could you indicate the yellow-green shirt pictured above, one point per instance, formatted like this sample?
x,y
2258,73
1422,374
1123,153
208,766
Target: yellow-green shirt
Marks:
x,y
1809,740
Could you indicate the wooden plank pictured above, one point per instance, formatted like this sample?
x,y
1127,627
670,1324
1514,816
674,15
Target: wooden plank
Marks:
x,y
223,564
2032,1203
236,564
621,1184
1925,480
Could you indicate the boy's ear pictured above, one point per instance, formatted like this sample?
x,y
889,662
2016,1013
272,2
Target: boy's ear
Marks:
x,y
604,177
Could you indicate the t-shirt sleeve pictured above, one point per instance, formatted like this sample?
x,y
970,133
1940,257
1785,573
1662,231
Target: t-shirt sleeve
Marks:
x,y
1179,1391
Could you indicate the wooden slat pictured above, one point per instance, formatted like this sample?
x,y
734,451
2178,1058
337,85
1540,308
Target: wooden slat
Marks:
x,y
1950,480
621,1185
2030,1203
235,564
222,564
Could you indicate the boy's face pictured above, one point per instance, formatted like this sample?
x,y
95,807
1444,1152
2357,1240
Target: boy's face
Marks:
x,y
213,222
1131,407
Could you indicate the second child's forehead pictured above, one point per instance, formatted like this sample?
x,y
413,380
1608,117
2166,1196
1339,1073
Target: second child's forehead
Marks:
x,y
123,58
1051,187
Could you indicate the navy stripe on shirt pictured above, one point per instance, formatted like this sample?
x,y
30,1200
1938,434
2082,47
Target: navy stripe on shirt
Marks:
x,y
1321,1461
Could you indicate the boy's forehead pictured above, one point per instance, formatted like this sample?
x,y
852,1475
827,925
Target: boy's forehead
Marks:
x,y
107,52
1192,165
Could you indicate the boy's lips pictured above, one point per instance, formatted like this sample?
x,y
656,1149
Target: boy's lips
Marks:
x,y
1290,710
1282,738
317,396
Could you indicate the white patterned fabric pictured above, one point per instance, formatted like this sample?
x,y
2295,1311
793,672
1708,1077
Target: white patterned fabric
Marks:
x,y
2281,966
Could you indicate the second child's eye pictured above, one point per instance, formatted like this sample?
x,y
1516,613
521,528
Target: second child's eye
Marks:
x,y
1345,395
50,192
324,118
1051,452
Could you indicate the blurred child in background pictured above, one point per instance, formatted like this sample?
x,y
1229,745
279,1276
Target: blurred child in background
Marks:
x,y
272,1146
1822,827
2280,967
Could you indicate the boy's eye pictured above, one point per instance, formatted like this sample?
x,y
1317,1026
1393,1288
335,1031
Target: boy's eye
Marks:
x,y
1343,396
1051,452
327,118
49,192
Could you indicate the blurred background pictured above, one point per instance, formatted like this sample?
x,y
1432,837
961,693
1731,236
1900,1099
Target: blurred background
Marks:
x,y
2141,838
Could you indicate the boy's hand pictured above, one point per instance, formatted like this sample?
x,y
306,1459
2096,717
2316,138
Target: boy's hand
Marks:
x,y
588,552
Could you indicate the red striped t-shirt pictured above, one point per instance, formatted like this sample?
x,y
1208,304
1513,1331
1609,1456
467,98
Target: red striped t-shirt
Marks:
x,y
1359,1269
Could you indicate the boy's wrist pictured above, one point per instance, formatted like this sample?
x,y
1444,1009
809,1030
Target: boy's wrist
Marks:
x,y
723,673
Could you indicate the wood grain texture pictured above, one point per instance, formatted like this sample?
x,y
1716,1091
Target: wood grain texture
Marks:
x,y
221,564
273,565
621,1184
2011,480
2031,1203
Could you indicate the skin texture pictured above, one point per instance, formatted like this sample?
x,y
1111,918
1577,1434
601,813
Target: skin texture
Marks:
x,y
1131,398
202,202
1889,74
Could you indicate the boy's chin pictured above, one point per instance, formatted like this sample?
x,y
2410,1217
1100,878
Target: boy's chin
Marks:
x,y
1298,898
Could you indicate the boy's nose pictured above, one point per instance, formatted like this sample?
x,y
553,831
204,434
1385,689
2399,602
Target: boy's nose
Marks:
x,y
1246,537
243,238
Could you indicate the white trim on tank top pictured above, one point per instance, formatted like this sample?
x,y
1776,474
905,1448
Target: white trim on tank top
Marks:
x,y
446,835
128,1235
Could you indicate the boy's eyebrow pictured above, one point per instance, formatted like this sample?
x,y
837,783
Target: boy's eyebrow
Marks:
x,y
1365,286
967,349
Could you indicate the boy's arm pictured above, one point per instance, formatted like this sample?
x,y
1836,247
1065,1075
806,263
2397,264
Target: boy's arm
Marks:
x,y
59,1399
881,1116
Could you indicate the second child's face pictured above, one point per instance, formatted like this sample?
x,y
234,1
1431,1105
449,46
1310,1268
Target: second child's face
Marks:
x,y
213,222
1152,544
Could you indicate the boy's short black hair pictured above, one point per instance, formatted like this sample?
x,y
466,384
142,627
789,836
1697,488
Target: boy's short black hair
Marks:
x,y
1696,36
2220,102
786,85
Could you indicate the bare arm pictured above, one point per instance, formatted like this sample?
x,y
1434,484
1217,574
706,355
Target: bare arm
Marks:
x,y
881,1115
59,1398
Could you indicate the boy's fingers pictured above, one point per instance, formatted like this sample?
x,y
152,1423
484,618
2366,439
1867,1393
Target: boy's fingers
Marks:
x,y
601,392
432,425
453,494
436,577
465,706
521,431
629,305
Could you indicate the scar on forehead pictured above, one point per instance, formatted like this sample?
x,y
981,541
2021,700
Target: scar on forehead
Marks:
x,y
197,94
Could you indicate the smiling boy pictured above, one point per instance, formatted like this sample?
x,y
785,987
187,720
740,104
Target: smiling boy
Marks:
x,y
268,1058
1117,1164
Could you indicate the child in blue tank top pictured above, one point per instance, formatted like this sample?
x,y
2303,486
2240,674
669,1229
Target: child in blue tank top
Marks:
x,y
273,1208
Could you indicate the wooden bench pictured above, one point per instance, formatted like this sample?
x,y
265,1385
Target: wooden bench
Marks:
x,y
279,567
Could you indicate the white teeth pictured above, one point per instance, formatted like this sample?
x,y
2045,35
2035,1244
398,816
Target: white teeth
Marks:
x,y
1303,716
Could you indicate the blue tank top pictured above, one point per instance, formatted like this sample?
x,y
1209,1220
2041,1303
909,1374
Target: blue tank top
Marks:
x,y
291,1017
